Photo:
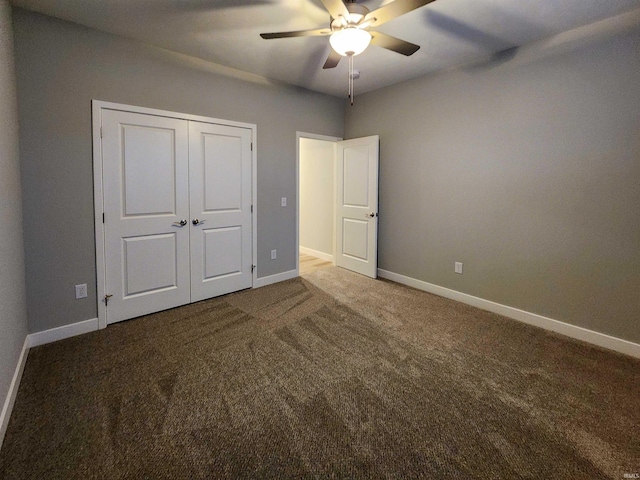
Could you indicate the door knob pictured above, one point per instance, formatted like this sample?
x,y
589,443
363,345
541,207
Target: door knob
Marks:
x,y
371,215
181,223
195,221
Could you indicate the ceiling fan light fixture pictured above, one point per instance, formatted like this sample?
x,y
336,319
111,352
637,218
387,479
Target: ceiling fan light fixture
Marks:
x,y
350,41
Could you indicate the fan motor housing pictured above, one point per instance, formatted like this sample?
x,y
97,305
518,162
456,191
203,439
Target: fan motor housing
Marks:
x,y
357,9
354,9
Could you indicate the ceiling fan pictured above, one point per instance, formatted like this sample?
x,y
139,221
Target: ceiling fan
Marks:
x,y
349,28
350,34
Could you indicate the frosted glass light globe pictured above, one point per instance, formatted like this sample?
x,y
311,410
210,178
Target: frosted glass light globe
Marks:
x,y
350,41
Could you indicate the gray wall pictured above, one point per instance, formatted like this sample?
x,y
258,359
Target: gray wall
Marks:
x,y
60,68
527,169
13,315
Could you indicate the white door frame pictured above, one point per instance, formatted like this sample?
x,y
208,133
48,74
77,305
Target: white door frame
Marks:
x,y
96,114
313,136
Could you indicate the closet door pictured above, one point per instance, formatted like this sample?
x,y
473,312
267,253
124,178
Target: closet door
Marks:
x,y
220,223
146,185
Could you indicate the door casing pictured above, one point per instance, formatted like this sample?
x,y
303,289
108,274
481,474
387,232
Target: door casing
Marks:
x,y
97,107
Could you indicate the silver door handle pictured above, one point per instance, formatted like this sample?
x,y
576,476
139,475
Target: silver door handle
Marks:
x,y
195,221
371,215
181,223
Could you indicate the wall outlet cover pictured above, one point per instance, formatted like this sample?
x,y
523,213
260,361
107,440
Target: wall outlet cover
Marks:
x,y
458,267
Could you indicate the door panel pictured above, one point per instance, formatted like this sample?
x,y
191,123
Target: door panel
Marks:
x,y
223,251
145,180
355,235
220,182
222,177
356,176
146,194
357,205
142,272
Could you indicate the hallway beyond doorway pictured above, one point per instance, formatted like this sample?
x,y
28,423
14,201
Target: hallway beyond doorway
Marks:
x,y
310,264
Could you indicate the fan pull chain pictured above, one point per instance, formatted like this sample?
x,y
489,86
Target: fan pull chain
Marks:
x,y
351,94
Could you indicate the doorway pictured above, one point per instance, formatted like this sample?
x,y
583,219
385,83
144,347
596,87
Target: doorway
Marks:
x,y
316,201
337,219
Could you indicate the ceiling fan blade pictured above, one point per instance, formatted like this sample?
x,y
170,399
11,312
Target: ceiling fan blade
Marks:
x,y
394,44
318,32
393,10
336,8
332,60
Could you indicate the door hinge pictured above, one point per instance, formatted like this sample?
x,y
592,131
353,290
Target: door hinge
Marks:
x,y
100,132
252,146
102,217
251,208
253,267
106,299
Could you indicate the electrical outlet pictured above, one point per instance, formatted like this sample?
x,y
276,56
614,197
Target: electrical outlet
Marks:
x,y
81,291
283,202
274,254
458,267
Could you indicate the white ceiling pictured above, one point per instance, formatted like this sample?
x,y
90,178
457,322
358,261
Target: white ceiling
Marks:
x,y
226,32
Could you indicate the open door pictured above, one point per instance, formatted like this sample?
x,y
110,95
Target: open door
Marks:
x,y
357,205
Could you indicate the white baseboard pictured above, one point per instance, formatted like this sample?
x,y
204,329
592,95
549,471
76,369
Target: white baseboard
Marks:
x,y
316,253
60,333
579,333
7,408
278,277
34,340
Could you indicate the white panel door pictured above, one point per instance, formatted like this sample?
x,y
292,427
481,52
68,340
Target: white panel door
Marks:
x,y
357,205
146,185
220,223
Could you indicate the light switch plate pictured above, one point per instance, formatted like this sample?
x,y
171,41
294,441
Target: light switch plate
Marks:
x,y
81,291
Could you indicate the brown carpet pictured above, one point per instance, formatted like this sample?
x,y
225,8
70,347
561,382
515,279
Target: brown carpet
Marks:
x,y
330,376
